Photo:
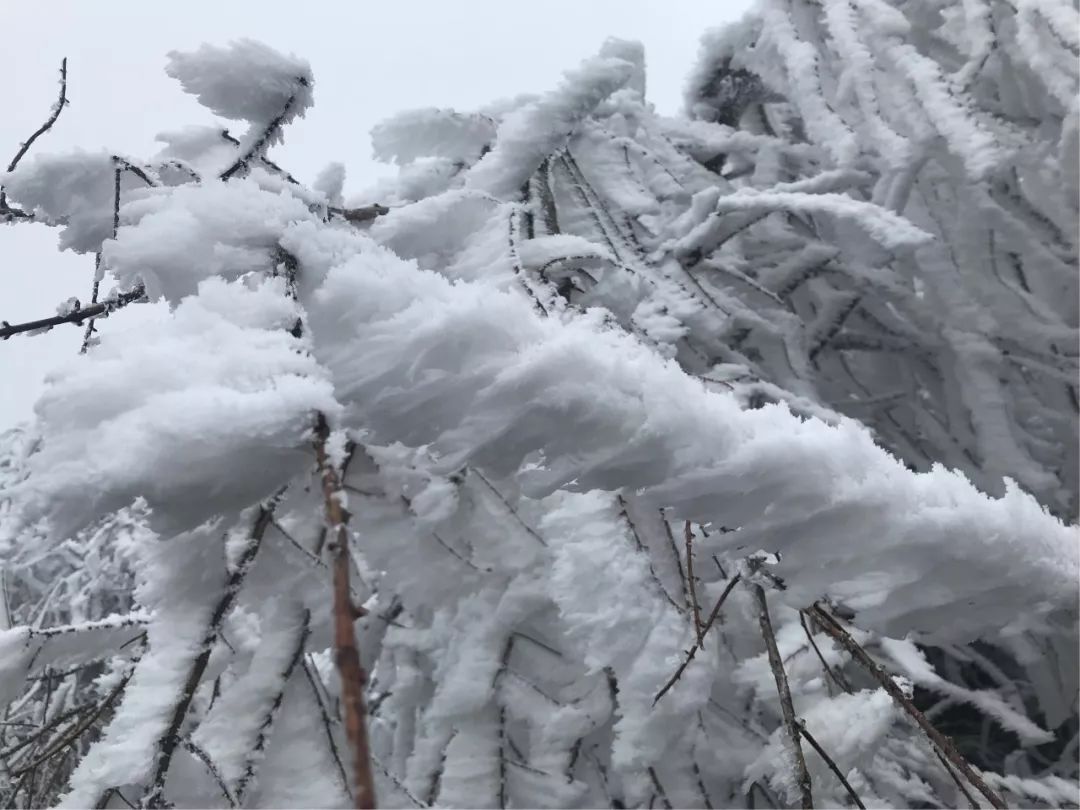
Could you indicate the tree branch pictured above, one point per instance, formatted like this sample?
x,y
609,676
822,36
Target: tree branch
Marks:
x,y
944,744
167,743
802,775
264,138
77,315
57,109
832,765
347,656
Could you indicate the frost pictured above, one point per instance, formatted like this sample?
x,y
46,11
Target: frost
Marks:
x,y
244,81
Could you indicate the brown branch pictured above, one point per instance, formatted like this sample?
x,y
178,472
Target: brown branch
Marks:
x,y
347,656
943,743
57,109
77,315
697,646
832,765
688,534
802,775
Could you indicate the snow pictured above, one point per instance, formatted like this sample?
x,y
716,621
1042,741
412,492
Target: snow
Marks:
x,y
244,81
174,238
528,135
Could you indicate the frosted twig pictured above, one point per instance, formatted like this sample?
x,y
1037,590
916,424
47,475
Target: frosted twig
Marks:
x,y
255,754
695,608
836,677
261,142
944,744
57,108
117,171
72,736
802,775
324,715
76,316
624,515
167,743
193,749
347,656
693,650
832,765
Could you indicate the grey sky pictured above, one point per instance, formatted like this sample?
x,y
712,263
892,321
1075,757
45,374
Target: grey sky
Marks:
x,y
370,60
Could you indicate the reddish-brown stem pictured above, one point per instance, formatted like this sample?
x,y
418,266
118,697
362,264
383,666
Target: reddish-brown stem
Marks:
x,y
346,655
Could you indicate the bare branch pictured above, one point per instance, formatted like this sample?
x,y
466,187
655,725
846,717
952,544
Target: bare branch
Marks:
x,y
76,316
802,775
57,109
944,744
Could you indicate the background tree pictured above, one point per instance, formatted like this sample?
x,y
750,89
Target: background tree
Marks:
x,y
584,430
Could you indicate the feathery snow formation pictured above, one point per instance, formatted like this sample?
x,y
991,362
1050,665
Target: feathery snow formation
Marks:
x,y
593,380
245,81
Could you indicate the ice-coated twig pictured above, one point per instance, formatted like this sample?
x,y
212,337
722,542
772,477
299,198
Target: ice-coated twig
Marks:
x,y
57,109
794,728
346,655
944,744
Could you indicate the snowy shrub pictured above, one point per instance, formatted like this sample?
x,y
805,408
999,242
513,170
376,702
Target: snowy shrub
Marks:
x,y
600,459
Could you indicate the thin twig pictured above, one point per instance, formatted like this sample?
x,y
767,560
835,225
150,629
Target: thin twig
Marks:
x,y
693,650
261,142
832,765
837,677
347,656
57,109
328,726
802,775
944,744
203,757
256,752
97,256
167,743
76,316
688,534
959,782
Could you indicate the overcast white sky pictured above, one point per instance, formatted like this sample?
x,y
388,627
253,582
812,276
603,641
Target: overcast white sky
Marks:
x,y
370,60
